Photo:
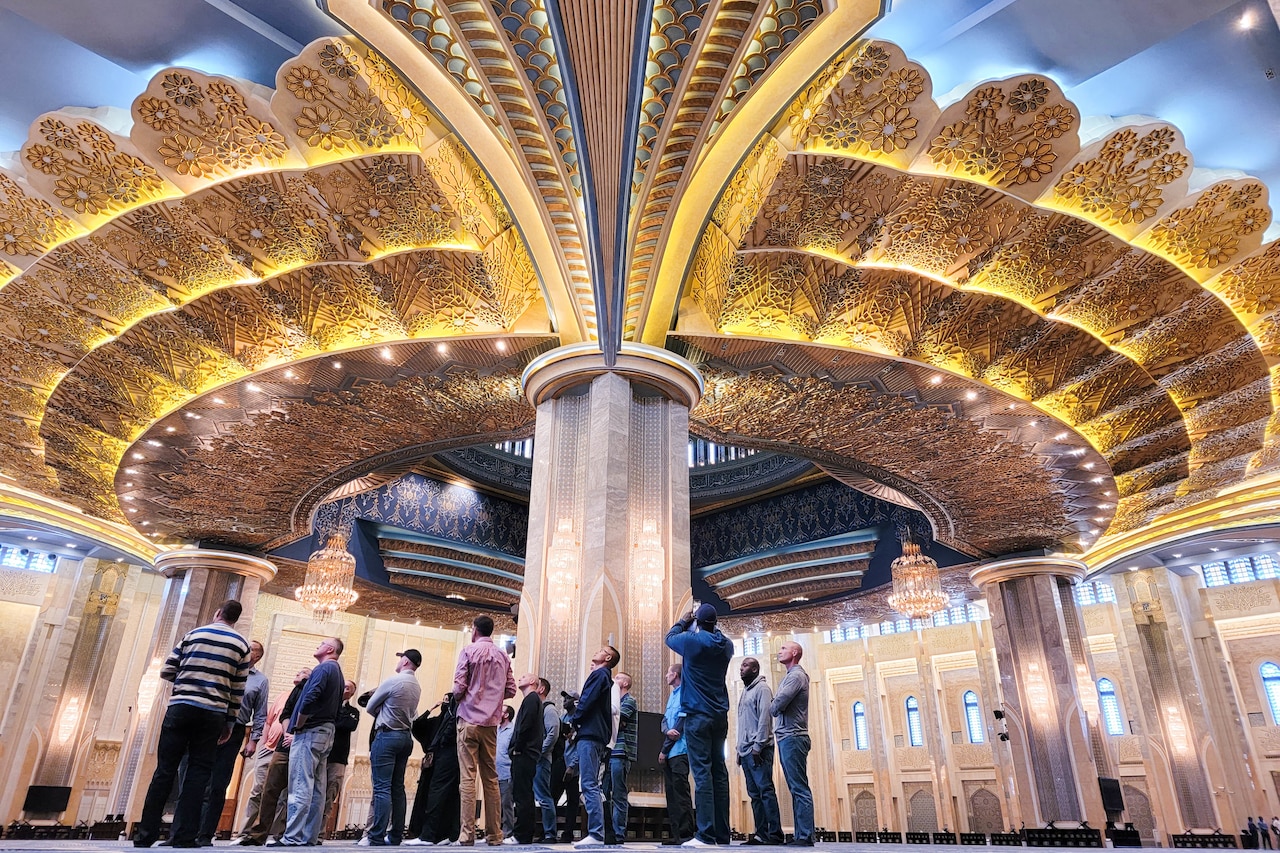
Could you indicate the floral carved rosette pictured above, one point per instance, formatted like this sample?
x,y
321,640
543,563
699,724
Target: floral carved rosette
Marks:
x,y
340,100
29,227
197,129
92,174
1252,288
1126,180
879,110
1217,226
1013,134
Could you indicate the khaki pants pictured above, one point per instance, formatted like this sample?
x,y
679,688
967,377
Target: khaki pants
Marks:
x,y
477,755
334,773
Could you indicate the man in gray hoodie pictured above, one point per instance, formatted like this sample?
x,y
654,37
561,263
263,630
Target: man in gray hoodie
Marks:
x,y
755,753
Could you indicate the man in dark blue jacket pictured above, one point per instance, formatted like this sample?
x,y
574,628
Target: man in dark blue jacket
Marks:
x,y
592,724
704,701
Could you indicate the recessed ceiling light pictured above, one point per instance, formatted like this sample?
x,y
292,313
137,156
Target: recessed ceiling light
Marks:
x,y
971,395
170,429
1012,406
195,417
442,348
1134,568
1098,480
1107,493
1088,466
133,509
138,456
1214,550
219,400
501,345
1034,424
1176,556
146,523
131,470
119,559
1062,436
154,443
128,497
1247,21
386,353
288,374
33,538
253,386
71,544
337,365
1101,519
936,379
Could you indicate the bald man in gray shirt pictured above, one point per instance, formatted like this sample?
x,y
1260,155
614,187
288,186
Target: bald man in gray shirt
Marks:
x,y
790,709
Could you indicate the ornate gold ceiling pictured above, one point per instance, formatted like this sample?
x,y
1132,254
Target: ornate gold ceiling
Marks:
x,y
775,182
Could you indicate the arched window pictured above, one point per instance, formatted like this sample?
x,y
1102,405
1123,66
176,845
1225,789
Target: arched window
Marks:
x,y
1271,689
1111,718
860,726
973,717
915,734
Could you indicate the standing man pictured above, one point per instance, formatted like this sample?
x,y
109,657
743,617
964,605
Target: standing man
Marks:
x,y
503,760
394,705
440,817
572,789
674,759
543,793
253,709
704,700
622,757
755,753
312,725
592,723
335,769
424,732
265,815
208,669
482,681
526,749
790,709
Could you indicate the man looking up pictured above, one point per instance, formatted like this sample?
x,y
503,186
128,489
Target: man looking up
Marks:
x,y
526,749
674,759
208,668
622,756
312,726
704,700
790,709
335,767
592,722
394,705
503,761
755,753
542,790
481,683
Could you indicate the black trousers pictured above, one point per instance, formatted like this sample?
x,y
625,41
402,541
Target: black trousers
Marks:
x,y
186,732
572,805
675,773
224,767
444,804
528,817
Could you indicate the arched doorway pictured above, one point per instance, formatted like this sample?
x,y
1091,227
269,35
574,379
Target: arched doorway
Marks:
x,y
864,812
1137,806
984,812
922,813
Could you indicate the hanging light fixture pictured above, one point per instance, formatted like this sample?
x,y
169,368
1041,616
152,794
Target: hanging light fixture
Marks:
x,y
331,573
917,592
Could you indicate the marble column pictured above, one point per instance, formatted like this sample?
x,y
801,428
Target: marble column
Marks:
x,y
1033,621
199,581
608,549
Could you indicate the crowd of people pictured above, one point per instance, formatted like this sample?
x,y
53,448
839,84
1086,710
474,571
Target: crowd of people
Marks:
x,y
523,759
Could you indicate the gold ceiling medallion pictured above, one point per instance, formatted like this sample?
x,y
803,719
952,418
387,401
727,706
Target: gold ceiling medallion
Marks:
x,y
917,590
331,574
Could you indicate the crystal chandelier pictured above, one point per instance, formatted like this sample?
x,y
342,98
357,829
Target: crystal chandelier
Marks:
x,y
917,592
331,572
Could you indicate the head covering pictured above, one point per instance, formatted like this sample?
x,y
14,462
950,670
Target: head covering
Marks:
x,y
414,656
706,615
570,694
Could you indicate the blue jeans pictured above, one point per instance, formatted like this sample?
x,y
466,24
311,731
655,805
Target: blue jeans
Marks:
x,y
591,758
388,758
542,795
615,784
704,735
794,752
307,759
764,799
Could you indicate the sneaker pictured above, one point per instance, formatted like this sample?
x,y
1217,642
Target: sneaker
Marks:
x,y
417,842
364,841
509,842
588,841
696,842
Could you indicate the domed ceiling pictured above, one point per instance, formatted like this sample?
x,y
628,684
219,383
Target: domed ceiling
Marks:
x,y
236,303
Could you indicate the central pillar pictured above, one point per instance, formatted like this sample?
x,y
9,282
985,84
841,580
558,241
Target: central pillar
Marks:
x,y
608,549
1039,651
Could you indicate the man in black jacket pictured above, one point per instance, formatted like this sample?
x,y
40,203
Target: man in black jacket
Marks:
x,y
526,749
336,770
443,810
424,732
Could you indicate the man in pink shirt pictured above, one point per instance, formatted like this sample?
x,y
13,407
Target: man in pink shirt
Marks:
x,y
481,683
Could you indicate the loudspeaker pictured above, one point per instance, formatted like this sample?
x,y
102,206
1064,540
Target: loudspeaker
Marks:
x,y
47,798
1112,798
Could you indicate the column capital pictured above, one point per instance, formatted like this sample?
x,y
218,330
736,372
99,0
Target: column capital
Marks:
x,y
1021,567
171,562
551,373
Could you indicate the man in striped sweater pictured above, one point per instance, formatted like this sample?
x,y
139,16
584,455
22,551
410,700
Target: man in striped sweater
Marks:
x,y
208,670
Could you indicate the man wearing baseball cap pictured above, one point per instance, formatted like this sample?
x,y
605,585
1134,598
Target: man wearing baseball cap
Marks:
x,y
704,701
394,705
